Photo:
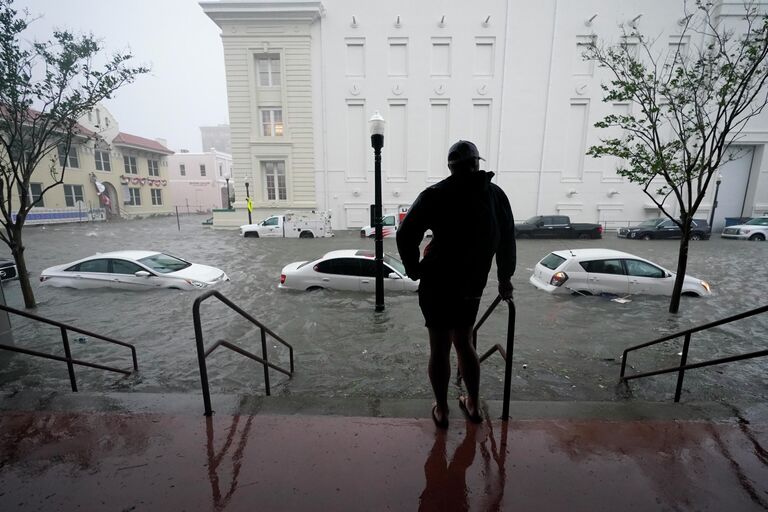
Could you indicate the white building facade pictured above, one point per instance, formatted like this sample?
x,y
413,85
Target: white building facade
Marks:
x,y
304,77
198,181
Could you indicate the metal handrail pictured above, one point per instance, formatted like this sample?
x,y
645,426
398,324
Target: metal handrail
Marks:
x,y
684,354
506,353
65,341
202,353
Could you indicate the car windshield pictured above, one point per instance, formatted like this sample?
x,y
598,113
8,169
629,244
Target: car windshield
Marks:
x,y
533,220
648,223
763,221
164,263
394,263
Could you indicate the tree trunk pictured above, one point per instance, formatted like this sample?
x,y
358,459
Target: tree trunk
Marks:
x,y
21,265
682,266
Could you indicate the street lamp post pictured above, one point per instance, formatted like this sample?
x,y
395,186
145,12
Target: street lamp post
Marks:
x,y
714,203
248,203
229,199
377,141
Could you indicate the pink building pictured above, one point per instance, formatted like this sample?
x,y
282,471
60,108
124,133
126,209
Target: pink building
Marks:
x,y
198,181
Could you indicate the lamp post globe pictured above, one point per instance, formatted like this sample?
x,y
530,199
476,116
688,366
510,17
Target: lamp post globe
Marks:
x,y
377,125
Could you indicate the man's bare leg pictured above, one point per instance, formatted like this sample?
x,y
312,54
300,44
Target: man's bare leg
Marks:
x,y
440,368
469,365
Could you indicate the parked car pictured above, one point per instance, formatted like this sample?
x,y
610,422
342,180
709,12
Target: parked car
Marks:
x,y
349,269
132,270
8,270
755,230
596,271
663,228
556,226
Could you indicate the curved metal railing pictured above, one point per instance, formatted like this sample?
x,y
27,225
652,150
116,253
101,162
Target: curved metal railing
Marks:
x,y
505,352
67,352
202,353
680,369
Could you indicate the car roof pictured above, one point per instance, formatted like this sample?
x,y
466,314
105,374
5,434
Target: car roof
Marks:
x,y
129,255
349,253
593,253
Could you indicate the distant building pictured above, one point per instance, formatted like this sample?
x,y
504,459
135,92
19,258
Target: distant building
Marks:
x,y
108,173
198,181
304,78
216,137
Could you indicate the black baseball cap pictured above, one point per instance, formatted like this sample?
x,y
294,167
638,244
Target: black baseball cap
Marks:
x,y
462,151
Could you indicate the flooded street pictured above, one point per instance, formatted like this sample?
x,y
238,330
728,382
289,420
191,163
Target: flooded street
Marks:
x,y
570,346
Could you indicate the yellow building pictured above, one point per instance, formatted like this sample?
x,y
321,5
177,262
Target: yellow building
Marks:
x,y
108,174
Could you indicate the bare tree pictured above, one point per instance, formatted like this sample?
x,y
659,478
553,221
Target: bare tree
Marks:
x,y
691,105
45,87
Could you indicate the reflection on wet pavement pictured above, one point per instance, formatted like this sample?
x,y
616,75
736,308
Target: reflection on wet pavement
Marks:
x,y
570,345
117,461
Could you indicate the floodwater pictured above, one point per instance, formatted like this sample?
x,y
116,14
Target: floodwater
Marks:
x,y
566,347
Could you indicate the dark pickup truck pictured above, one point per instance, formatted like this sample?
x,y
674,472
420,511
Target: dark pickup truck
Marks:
x,y
662,228
556,226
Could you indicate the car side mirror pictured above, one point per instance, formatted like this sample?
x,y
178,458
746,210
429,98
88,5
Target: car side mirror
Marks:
x,y
539,223
142,273
393,275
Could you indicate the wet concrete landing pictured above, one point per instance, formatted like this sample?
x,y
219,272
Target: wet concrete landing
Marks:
x,y
128,460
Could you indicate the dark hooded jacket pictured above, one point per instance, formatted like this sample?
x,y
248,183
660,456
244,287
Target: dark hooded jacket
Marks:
x,y
471,220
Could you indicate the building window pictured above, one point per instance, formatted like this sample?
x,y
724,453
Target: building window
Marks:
x,y
268,70
157,196
130,165
134,196
68,159
274,180
73,194
154,168
102,161
221,171
36,194
202,169
271,122
182,170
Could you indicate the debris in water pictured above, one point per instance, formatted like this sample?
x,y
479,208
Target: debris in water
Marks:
x,y
620,300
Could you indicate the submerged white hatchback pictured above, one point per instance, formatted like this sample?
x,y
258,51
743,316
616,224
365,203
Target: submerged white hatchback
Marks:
x,y
349,269
596,271
132,270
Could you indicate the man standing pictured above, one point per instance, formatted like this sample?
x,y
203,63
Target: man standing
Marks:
x,y
471,220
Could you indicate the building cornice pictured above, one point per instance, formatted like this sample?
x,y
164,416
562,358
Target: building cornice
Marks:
x,y
286,10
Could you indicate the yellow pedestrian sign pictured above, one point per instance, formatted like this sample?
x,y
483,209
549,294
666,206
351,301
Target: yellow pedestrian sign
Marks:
x,y
249,204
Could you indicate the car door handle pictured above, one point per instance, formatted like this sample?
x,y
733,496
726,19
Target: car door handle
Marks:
x,y
325,279
365,281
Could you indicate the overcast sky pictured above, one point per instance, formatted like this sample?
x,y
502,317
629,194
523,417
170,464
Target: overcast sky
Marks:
x,y
186,88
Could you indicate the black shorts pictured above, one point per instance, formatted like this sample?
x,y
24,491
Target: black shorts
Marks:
x,y
443,310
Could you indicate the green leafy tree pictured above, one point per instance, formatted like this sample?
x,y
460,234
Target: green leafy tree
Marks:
x,y
689,105
44,88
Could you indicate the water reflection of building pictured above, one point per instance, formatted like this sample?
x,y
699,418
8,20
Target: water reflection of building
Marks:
x,y
108,173
198,181
305,76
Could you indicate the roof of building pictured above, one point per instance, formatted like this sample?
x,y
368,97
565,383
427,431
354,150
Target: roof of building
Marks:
x,y
134,141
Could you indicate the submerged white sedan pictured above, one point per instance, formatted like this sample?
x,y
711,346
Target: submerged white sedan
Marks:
x,y
596,271
132,270
350,269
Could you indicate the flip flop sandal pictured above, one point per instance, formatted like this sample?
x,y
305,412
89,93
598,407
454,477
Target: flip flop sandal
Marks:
x,y
443,424
476,418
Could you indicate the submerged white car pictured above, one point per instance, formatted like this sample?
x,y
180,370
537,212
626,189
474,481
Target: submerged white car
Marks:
x,y
755,230
350,269
132,270
596,271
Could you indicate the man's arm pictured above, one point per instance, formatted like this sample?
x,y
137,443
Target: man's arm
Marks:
x,y
410,234
506,252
